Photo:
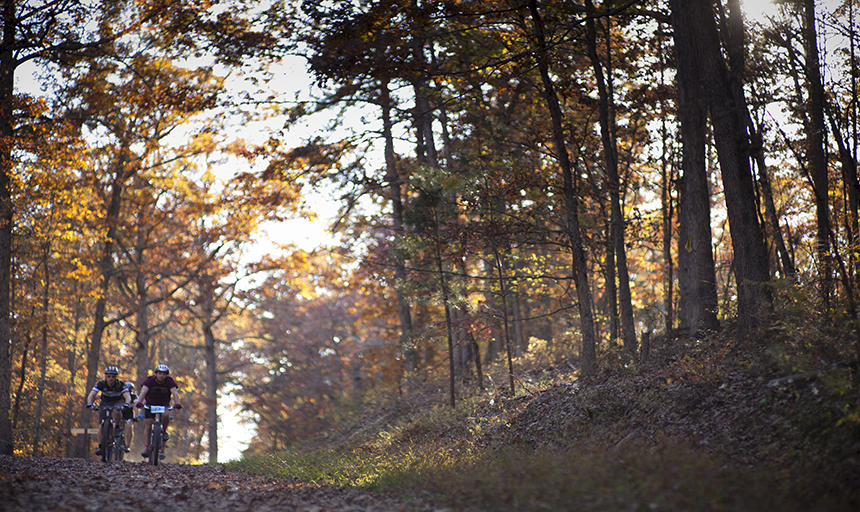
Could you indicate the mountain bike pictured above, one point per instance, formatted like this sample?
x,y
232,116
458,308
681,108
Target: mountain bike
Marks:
x,y
112,436
156,438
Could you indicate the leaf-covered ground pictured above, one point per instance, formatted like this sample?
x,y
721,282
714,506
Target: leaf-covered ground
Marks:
x,y
35,484
704,425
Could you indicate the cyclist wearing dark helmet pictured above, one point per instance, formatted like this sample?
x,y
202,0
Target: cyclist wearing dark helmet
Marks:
x,y
158,389
114,393
128,416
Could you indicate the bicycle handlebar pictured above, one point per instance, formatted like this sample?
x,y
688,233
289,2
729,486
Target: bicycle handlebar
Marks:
x,y
110,407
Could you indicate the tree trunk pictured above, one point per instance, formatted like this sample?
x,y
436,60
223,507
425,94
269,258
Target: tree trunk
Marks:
x,y
695,26
142,336
43,354
423,115
504,302
404,313
851,189
580,270
667,207
16,407
610,154
769,205
7,91
610,291
71,366
815,132
696,271
211,358
443,283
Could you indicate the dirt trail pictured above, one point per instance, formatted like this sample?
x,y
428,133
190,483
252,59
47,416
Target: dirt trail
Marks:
x,y
76,485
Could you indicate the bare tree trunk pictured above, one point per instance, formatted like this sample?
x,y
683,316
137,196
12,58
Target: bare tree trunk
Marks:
x,y
443,281
404,312
851,189
769,205
423,115
580,270
43,364
610,292
815,133
16,407
72,363
211,357
504,301
610,153
695,27
696,270
8,64
668,212
142,336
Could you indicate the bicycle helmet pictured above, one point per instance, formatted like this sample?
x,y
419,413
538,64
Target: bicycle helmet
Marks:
x,y
162,368
111,370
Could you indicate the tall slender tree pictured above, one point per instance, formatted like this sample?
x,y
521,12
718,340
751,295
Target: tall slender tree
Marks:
x,y
580,271
696,271
696,28
610,153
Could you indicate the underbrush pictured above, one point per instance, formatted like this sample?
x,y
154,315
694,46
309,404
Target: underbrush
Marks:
x,y
701,426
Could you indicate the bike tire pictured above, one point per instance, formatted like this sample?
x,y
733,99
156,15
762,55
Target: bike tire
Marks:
x,y
107,439
119,445
155,447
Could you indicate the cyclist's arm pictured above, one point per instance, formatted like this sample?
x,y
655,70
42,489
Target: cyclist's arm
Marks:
x,y
175,396
142,394
127,396
92,395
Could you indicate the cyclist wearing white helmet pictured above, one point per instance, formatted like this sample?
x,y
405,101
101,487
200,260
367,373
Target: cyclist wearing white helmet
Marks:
x,y
158,389
114,393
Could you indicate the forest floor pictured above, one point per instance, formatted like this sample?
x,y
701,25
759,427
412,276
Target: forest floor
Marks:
x,y
703,425
54,484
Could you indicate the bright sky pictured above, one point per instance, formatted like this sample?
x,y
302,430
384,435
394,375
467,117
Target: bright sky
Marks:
x,y
233,435
758,8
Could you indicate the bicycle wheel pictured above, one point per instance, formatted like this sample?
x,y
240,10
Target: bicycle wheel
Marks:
x,y
155,447
119,444
107,439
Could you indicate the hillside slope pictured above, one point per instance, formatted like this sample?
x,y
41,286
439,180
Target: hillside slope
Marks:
x,y
701,426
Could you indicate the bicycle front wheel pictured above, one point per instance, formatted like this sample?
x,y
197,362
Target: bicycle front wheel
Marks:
x,y
119,444
155,446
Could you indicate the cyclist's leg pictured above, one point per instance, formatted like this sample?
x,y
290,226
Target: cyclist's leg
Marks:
x,y
129,432
127,423
117,418
147,431
102,414
165,421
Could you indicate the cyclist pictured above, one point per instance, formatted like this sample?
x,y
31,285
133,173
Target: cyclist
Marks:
x,y
113,393
128,417
158,389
